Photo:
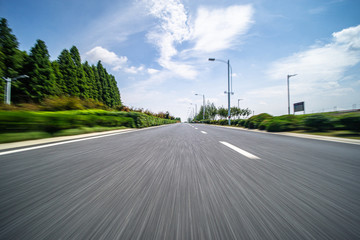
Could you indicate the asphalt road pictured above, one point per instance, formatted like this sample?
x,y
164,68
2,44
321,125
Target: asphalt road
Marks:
x,y
182,181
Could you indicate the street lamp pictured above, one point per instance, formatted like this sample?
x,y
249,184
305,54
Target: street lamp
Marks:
x,y
203,104
228,92
7,92
288,88
239,101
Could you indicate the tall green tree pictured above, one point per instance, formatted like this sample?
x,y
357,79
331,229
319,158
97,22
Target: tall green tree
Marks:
x,y
41,82
235,112
60,84
211,110
68,71
115,93
223,112
98,85
9,47
90,81
11,58
2,74
80,73
104,81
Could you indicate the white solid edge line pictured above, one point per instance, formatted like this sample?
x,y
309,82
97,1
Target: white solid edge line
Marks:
x,y
64,142
242,152
203,132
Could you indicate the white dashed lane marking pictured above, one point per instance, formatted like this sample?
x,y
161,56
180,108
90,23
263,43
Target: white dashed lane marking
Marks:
x,y
242,152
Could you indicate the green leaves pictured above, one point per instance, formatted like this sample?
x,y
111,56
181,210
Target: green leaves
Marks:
x,y
65,77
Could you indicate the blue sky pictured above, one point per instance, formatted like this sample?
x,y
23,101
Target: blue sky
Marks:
x,y
158,50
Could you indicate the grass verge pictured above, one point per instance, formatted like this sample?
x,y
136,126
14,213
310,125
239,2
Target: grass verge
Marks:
x,y
16,137
333,133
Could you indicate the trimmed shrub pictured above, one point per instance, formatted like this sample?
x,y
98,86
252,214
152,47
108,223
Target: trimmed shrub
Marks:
x,y
256,120
263,125
52,122
206,121
351,122
277,125
241,123
223,122
319,122
235,122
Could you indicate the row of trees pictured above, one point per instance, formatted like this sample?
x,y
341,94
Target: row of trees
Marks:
x,y
211,112
164,115
66,76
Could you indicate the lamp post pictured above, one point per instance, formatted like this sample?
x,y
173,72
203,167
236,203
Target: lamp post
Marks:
x,y
228,92
7,92
239,101
203,104
288,88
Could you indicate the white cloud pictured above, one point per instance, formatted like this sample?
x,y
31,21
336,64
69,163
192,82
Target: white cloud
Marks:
x,y
349,36
321,67
110,58
323,77
152,71
133,69
173,29
212,30
217,29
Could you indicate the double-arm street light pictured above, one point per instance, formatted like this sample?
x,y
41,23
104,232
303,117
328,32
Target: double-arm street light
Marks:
x,y
288,88
228,92
203,104
7,92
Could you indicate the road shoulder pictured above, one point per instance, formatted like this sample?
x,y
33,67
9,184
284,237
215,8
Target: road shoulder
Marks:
x,y
300,135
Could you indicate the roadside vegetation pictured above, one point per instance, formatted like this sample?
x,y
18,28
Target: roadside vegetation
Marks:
x,y
61,97
339,124
70,116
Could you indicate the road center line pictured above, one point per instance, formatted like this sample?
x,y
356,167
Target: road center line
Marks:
x,y
242,152
204,132
196,128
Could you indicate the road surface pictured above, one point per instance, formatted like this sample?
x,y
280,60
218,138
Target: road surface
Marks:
x,y
182,181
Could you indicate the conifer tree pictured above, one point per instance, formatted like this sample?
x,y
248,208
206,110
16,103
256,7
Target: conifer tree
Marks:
x,y
98,86
115,93
41,82
80,74
68,71
60,84
104,83
90,81
9,47
66,76
11,58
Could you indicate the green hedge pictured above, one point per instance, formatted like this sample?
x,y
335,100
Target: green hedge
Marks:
x,y
351,121
319,122
51,122
255,121
313,122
